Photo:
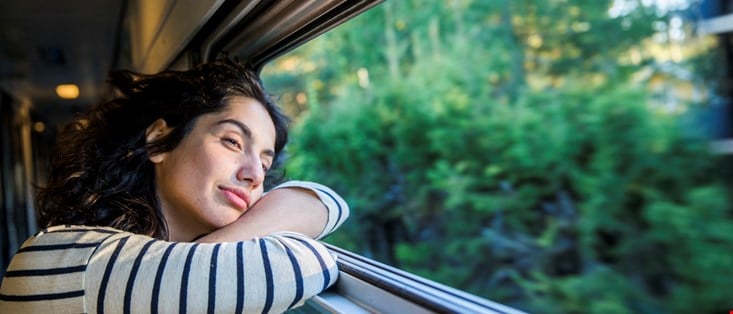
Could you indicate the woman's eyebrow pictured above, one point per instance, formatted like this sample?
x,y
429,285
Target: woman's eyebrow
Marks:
x,y
243,127
247,133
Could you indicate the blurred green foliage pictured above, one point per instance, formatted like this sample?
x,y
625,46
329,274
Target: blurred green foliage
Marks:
x,y
506,148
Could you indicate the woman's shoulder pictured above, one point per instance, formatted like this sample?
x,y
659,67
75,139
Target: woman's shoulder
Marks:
x,y
68,236
78,229
72,230
49,268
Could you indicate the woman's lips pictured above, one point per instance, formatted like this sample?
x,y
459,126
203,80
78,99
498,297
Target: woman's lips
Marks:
x,y
236,197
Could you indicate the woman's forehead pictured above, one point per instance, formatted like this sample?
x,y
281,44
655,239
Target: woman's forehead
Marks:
x,y
245,113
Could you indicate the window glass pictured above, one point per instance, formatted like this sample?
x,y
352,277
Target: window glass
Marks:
x,y
541,154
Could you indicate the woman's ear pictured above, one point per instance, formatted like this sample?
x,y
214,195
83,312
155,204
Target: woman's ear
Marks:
x,y
155,132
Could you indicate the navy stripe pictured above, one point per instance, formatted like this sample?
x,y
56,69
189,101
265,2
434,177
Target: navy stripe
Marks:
x,y
133,273
339,207
240,279
159,278
184,280
41,297
324,268
268,277
108,273
44,272
212,279
53,247
298,277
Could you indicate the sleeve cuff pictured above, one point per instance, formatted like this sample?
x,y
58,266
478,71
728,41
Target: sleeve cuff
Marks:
x,y
338,210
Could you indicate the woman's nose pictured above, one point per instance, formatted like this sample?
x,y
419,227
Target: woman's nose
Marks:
x,y
251,171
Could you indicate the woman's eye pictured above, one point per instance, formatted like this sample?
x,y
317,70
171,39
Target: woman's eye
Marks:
x,y
231,142
265,168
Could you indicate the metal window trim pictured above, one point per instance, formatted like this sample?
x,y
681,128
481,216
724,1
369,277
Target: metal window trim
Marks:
x,y
378,287
266,30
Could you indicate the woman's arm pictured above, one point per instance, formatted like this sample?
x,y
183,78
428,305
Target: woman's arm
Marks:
x,y
297,206
263,275
93,269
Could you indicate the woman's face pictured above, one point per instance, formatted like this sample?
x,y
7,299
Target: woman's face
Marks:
x,y
217,171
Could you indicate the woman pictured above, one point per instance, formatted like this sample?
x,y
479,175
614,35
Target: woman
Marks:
x,y
155,203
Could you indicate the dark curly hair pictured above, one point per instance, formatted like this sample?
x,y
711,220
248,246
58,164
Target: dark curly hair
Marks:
x,y
100,174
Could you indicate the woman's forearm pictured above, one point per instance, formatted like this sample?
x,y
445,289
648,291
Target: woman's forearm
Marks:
x,y
284,209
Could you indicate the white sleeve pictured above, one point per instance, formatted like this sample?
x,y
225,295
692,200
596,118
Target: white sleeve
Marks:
x,y
338,210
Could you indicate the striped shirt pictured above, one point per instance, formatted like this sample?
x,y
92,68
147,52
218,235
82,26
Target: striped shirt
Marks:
x,y
83,269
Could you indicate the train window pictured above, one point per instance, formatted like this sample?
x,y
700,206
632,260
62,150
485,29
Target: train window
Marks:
x,y
538,154
560,156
